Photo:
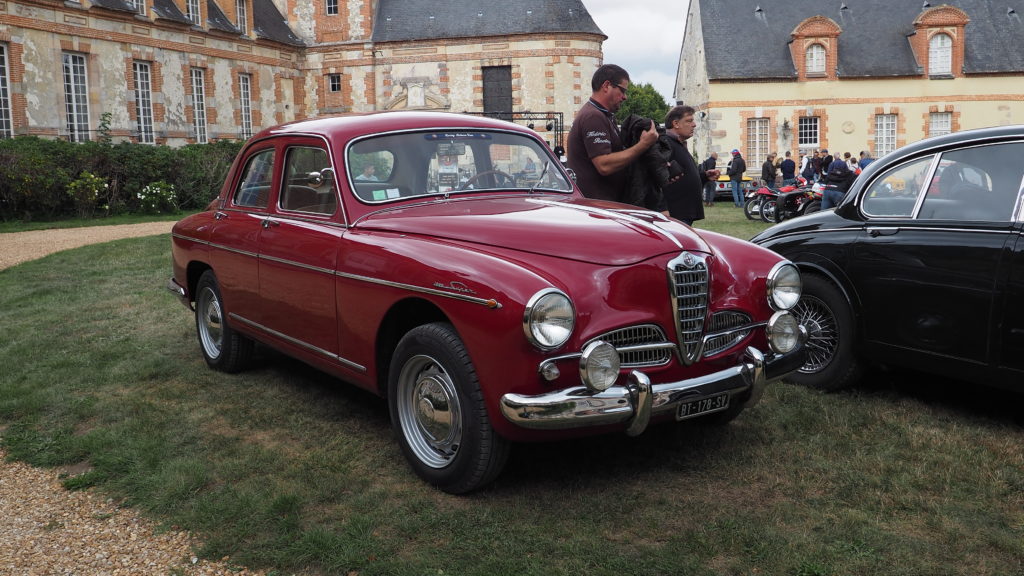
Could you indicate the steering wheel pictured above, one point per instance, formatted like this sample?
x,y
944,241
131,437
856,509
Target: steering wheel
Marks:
x,y
508,177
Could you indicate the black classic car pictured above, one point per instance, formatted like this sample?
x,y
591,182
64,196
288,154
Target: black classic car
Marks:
x,y
920,266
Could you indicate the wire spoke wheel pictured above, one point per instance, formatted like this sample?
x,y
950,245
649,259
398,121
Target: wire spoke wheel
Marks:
x,y
823,333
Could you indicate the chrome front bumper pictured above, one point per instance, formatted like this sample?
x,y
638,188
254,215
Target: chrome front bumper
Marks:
x,y
637,401
174,288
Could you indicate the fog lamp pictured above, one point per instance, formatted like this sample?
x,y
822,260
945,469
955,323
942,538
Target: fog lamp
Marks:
x,y
599,365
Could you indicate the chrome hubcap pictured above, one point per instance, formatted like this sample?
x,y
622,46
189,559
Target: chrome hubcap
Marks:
x,y
211,323
822,332
429,411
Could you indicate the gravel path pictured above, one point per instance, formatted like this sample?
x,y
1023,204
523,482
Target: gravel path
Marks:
x,y
46,530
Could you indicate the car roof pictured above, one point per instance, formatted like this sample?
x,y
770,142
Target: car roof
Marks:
x,y
353,125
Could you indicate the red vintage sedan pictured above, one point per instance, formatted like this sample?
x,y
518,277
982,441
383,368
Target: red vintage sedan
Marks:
x,y
449,264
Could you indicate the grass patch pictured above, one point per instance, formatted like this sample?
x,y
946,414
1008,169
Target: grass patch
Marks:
x,y
284,468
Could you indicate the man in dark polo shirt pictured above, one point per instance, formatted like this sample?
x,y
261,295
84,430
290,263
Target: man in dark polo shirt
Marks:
x,y
595,152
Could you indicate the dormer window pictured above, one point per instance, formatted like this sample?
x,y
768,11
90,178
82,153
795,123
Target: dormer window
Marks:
x,y
193,12
940,55
815,60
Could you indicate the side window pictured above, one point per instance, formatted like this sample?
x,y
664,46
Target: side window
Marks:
x,y
307,187
254,188
894,193
976,184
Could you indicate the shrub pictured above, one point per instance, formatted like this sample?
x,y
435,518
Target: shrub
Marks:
x,y
85,191
158,197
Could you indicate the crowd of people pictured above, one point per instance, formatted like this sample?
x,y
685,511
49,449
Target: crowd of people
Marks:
x,y
638,164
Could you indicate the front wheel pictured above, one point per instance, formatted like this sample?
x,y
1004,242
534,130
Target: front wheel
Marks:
x,y
832,363
769,211
752,208
437,411
223,348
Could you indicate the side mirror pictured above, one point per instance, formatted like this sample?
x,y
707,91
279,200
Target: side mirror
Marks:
x,y
316,179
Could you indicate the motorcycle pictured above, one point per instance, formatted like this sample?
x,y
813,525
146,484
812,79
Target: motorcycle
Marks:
x,y
755,201
771,201
798,202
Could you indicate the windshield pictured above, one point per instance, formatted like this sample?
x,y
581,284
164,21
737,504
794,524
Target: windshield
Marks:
x,y
411,164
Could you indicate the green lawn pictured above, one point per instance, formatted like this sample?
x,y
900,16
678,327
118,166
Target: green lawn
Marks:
x,y
286,469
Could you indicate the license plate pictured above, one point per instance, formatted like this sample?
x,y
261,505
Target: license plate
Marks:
x,y
704,406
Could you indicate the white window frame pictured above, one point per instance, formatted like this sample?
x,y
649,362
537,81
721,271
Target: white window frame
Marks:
x,y
198,76
940,123
242,14
139,5
6,128
331,7
143,75
245,94
76,96
334,82
758,130
940,55
814,60
808,132
193,12
885,134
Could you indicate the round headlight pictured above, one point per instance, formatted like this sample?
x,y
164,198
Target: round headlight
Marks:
x,y
549,319
784,332
784,286
599,365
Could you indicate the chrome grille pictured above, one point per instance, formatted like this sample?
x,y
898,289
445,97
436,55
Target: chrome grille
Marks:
x,y
644,338
688,277
726,322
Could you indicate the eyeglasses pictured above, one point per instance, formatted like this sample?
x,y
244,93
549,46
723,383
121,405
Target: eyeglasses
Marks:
x,y
621,89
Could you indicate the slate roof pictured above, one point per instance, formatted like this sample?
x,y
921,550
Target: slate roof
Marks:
x,y
217,20
742,43
404,20
168,10
268,23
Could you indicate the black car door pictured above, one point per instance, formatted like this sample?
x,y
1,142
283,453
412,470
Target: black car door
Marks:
x,y
928,279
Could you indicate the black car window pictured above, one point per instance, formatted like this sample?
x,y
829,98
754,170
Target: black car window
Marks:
x,y
980,183
308,188
254,188
894,193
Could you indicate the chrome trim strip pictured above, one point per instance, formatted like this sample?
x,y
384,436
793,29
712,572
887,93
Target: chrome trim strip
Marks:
x,y
300,343
731,331
295,264
490,303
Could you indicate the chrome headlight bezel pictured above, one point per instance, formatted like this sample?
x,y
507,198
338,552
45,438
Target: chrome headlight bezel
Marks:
x,y
544,312
784,286
599,365
784,332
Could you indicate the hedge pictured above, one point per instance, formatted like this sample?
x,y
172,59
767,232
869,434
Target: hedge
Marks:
x,y
43,179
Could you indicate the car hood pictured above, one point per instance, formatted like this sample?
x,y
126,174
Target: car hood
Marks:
x,y
578,229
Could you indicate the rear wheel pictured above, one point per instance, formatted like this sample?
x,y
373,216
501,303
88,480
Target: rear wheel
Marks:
x,y
438,412
223,348
752,208
831,362
813,206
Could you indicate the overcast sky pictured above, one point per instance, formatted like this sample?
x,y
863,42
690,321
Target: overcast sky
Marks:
x,y
644,37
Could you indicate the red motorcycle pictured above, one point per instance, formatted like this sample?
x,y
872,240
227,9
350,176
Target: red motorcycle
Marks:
x,y
796,202
755,201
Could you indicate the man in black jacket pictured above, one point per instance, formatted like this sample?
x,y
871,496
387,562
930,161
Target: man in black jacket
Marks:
x,y
711,185
684,194
735,171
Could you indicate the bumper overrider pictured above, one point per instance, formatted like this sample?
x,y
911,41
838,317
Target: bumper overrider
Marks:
x,y
638,400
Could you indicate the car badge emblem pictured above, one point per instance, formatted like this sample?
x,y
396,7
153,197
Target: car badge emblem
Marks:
x,y
689,261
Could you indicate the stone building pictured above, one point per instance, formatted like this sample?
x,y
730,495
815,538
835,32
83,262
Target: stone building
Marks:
x,y
848,75
182,71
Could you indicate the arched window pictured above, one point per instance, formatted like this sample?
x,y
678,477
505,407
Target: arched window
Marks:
x,y
815,59
940,55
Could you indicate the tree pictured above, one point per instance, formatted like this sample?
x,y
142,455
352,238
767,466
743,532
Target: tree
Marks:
x,y
643,100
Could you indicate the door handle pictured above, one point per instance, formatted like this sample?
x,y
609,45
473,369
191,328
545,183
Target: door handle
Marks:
x,y
267,223
876,232
218,215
